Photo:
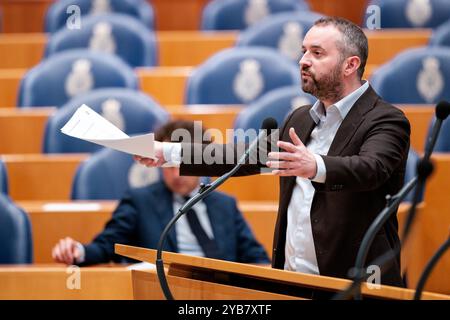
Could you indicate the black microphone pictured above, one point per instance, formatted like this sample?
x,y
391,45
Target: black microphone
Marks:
x,y
268,124
442,112
424,170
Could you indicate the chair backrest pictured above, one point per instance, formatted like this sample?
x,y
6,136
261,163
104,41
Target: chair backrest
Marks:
x,y
3,178
240,14
64,12
67,74
15,233
441,35
240,75
409,13
411,172
117,34
107,174
419,75
278,104
131,111
281,31
443,140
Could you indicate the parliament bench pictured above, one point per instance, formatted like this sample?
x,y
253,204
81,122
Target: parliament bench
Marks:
x,y
22,129
58,282
190,48
83,220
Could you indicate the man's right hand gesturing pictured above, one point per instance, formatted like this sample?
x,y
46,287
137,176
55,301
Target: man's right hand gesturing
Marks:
x,y
149,162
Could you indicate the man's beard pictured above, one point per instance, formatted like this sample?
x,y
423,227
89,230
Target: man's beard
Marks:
x,y
329,88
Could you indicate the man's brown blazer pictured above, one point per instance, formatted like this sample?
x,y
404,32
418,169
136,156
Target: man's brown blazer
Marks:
x,y
366,162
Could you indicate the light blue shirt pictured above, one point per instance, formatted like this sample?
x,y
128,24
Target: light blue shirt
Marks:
x,y
299,251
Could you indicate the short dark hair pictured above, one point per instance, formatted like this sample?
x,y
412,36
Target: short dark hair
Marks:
x,y
354,40
164,133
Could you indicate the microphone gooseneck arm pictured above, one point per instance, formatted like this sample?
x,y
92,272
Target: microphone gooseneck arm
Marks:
x,y
429,268
424,170
268,124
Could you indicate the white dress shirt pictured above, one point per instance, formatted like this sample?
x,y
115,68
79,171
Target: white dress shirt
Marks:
x,y
186,240
300,253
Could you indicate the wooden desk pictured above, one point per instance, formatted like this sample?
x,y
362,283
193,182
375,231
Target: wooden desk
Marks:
x,y
49,177
203,278
57,282
10,84
83,220
22,129
41,176
174,48
431,229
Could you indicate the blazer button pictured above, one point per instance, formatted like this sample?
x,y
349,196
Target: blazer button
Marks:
x,y
315,220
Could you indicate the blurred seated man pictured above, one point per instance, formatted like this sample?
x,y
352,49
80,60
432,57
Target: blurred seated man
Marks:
x,y
213,228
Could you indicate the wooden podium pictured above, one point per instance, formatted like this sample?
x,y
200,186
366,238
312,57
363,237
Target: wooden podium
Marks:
x,y
191,277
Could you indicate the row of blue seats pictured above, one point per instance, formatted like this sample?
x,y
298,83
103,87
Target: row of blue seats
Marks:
x,y
238,75
241,14
129,39
217,15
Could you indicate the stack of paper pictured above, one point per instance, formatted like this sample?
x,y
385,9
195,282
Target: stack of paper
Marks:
x,y
88,125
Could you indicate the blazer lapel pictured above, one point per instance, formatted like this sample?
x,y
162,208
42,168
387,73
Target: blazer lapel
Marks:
x,y
352,121
164,208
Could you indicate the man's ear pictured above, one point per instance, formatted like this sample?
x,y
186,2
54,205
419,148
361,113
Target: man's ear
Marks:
x,y
351,65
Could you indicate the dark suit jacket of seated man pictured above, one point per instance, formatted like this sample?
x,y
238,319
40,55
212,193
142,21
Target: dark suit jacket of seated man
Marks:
x,y
144,212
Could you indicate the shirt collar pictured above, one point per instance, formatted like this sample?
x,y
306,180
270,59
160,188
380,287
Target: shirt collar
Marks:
x,y
181,199
344,105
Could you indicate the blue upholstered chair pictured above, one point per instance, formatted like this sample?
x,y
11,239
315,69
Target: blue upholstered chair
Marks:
x,y
240,75
419,75
67,74
15,233
441,35
409,13
277,104
411,172
281,31
131,111
107,174
3,178
117,34
443,140
239,14
65,11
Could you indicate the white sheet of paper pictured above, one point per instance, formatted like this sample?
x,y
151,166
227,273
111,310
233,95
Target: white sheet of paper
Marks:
x,y
88,125
142,266
91,206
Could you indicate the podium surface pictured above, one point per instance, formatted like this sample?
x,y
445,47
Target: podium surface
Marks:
x,y
192,277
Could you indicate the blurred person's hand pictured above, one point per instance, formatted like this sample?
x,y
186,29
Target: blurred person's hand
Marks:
x,y
66,251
